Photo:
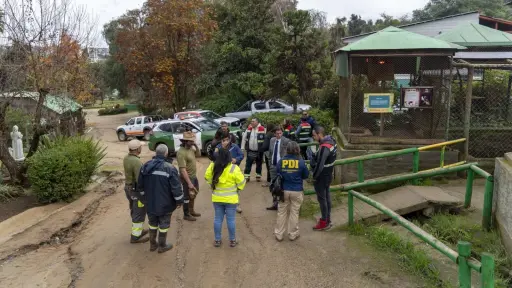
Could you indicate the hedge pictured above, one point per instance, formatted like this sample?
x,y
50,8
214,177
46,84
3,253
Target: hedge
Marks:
x,y
324,118
112,111
62,168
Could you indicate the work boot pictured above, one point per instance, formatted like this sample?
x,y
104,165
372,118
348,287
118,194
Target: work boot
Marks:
x,y
238,209
140,239
186,212
258,178
322,225
192,211
153,245
162,245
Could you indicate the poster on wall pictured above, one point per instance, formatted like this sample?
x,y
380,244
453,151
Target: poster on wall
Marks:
x,y
417,97
378,103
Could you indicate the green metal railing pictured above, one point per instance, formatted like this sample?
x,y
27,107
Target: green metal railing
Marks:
x,y
462,257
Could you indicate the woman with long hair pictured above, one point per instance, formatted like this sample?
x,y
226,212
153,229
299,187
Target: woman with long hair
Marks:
x,y
226,180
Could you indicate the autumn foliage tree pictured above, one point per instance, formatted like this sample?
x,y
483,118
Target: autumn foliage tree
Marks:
x,y
44,56
158,46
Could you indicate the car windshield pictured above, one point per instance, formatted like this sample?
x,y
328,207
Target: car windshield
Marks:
x,y
206,124
210,114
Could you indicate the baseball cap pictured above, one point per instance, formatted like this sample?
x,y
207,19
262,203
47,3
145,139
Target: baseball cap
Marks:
x,y
135,144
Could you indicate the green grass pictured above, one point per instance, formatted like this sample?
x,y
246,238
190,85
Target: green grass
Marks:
x,y
409,258
453,228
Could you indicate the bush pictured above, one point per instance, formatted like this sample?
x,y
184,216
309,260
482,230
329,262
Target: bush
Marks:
x,y
324,118
113,111
62,168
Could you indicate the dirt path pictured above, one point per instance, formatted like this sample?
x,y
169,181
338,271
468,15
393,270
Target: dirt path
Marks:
x,y
99,254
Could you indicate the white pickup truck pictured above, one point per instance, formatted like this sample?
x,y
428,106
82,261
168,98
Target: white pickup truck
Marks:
x,y
139,127
252,107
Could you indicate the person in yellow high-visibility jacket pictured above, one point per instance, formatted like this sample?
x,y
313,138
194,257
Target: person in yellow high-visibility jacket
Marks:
x,y
226,180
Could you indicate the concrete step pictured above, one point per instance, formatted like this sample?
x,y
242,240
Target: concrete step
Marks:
x,y
403,200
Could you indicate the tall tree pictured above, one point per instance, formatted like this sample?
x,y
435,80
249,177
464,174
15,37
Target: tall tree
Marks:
x,y
302,59
337,32
158,46
441,8
115,73
45,56
238,53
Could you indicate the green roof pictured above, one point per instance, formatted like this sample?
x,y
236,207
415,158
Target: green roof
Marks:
x,y
476,35
60,104
393,38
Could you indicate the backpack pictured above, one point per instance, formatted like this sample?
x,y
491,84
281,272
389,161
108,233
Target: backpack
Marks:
x,y
276,188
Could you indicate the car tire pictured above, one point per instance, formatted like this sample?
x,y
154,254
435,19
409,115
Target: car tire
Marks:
x,y
146,135
121,135
207,147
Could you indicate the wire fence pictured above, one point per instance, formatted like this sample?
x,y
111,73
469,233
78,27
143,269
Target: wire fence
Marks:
x,y
491,112
421,107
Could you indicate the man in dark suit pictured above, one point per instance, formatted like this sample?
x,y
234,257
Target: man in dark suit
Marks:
x,y
277,150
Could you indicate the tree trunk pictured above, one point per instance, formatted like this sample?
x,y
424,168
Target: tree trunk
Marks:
x,y
34,144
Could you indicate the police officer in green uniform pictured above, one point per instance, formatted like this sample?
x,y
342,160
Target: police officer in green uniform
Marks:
x,y
132,165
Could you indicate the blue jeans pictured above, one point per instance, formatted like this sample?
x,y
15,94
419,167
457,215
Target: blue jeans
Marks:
x,y
222,209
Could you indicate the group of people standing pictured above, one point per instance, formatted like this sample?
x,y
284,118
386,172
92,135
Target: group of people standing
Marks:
x,y
157,188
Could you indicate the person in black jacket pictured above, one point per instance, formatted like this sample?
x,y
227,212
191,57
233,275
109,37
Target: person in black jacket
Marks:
x,y
217,139
323,167
265,149
160,188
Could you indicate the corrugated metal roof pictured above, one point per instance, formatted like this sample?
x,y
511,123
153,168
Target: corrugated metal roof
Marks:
x,y
417,23
393,38
57,103
476,35
483,55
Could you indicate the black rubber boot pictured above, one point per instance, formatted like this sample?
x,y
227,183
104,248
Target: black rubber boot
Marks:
x,y
153,245
162,243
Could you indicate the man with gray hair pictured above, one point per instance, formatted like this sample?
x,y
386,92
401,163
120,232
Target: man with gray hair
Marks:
x,y
132,164
160,187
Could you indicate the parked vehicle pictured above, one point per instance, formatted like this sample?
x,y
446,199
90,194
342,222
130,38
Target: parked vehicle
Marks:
x,y
232,121
252,107
139,127
169,132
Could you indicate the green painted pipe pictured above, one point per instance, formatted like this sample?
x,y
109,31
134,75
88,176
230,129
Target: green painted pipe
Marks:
x,y
396,178
487,212
480,171
431,240
469,188
375,156
360,172
415,165
487,275
464,249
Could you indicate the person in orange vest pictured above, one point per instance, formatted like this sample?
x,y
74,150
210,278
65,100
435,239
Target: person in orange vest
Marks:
x,y
252,142
288,129
304,132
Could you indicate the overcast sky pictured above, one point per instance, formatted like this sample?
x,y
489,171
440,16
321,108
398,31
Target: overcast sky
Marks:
x,y
106,10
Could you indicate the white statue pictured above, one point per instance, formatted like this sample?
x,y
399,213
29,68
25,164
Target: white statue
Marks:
x,y
17,144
